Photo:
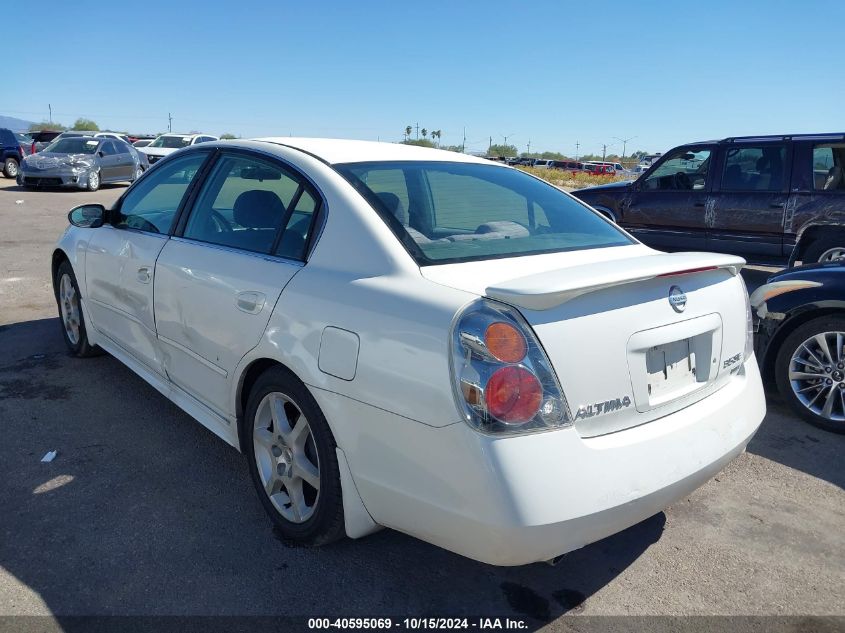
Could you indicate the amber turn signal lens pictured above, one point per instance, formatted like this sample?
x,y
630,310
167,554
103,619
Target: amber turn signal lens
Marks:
x,y
505,342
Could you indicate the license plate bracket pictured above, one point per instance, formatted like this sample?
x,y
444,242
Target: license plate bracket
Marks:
x,y
670,368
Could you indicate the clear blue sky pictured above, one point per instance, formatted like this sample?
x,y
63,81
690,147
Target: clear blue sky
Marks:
x,y
553,72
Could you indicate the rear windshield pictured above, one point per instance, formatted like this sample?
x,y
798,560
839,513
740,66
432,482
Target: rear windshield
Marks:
x,y
73,145
172,142
446,212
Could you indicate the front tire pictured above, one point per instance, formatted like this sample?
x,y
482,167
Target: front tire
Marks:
x,y
93,181
11,168
138,173
810,372
293,460
70,313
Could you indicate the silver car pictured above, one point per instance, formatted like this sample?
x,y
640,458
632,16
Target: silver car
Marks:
x,y
82,162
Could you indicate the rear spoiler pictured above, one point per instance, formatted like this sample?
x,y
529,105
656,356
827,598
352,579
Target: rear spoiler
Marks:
x,y
546,290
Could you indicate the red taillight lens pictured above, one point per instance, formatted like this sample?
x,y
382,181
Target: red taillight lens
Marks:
x,y
32,149
513,395
505,342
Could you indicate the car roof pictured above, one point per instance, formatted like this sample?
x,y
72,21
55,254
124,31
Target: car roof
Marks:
x,y
334,151
825,136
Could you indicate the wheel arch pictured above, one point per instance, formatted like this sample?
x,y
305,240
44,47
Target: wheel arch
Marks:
x,y
811,233
58,257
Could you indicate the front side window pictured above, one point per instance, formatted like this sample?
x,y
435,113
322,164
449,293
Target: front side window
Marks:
x,y
108,149
754,168
244,203
828,166
452,212
683,170
151,204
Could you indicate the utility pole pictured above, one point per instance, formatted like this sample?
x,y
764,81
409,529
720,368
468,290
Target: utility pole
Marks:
x,y
490,146
169,122
603,152
50,108
418,130
529,147
506,138
577,147
464,142
624,144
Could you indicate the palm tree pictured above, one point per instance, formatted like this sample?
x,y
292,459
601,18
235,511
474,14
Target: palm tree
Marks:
x,y
408,131
424,132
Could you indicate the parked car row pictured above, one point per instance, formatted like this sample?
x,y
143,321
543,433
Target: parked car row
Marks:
x,y
84,159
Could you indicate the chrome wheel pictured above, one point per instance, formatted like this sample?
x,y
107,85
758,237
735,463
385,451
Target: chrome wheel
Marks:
x,y
69,302
12,168
93,181
833,254
138,173
817,375
286,456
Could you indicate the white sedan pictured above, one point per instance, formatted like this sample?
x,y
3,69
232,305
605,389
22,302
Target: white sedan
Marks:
x,y
419,339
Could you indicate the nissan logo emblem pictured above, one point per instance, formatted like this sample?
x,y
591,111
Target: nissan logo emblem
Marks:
x,y
677,299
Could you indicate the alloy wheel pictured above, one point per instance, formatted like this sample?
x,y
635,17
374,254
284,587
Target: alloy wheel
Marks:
x,y
286,456
833,254
12,168
817,375
69,302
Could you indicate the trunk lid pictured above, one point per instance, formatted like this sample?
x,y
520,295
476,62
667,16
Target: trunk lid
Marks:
x,y
633,334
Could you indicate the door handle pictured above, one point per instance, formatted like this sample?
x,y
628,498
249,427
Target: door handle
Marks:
x,y
250,301
144,274
777,205
699,204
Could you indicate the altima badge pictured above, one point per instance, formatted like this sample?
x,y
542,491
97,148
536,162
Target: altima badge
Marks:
x,y
677,299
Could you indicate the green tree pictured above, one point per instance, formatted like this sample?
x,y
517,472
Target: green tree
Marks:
x,y
422,142
408,130
424,132
503,150
47,125
227,136
86,125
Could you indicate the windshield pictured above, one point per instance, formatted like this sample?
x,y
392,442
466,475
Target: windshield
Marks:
x,y
172,142
73,145
446,212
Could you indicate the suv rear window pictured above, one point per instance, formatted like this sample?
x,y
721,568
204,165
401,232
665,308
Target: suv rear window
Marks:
x,y
445,212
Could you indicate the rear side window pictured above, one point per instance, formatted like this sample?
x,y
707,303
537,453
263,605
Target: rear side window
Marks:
x,y
151,205
452,212
754,168
828,166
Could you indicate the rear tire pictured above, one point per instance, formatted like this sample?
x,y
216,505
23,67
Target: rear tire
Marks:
x,y
828,249
11,168
70,313
807,390
293,467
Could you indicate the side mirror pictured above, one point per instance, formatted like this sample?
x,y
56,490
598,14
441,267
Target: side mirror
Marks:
x,y
101,154
87,216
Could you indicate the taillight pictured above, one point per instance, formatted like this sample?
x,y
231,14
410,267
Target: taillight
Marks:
x,y
503,381
32,149
749,323
20,150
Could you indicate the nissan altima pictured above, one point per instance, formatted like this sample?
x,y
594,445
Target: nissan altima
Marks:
x,y
81,162
418,339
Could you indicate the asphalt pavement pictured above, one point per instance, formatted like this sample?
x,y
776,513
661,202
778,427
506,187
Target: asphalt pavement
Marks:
x,y
144,512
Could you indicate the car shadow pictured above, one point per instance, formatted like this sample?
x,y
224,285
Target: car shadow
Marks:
x,y
787,439
145,512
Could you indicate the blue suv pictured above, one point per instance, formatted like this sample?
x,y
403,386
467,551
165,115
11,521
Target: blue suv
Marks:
x,y
12,153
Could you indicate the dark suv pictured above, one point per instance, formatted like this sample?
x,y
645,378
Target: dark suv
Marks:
x,y
770,199
11,153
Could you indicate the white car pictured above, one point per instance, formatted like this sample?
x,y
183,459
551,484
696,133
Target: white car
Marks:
x,y
168,143
419,339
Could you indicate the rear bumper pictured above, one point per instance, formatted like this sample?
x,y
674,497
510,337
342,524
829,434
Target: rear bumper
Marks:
x,y
512,501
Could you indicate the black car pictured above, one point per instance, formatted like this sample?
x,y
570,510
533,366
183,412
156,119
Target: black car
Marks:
x,y
11,153
41,139
800,340
770,199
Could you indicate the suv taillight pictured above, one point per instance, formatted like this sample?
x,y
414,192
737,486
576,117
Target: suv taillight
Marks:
x,y
32,149
502,380
20,151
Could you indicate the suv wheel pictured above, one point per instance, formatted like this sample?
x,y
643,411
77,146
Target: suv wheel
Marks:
x,y
810,372
825,250
10,168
